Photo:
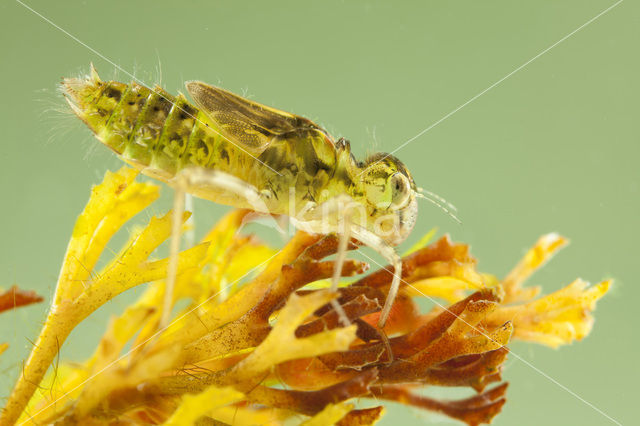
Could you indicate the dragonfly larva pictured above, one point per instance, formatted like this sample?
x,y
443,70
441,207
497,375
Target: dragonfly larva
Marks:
x,y
240,153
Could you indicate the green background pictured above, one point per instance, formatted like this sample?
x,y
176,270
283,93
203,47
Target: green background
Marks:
x,y
554,147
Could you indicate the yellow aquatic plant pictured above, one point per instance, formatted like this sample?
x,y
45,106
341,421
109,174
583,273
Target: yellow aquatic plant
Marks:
x,y
256,344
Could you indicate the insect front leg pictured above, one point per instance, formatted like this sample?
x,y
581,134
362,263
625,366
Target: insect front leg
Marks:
x,y
341,215
370,239
344,205
334,215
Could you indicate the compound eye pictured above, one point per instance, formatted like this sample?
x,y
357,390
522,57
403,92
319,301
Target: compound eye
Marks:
x,y
400,190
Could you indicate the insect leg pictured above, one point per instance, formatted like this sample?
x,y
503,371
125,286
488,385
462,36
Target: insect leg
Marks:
x,y
201,182
331,216
190,234
184,183
343,239
388,252
210,184
174,248
344,236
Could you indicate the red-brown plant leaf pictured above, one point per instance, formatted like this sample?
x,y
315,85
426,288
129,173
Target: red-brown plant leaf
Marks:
x,y
364,417
473,411
402,318
354,309
311,403
483,370
442,250
14,298
310,374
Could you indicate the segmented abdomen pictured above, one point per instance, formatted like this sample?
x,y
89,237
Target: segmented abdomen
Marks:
x,y
159,133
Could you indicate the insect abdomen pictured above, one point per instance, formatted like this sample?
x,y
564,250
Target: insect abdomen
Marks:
x,y
152,130
200,143
146,128
169,133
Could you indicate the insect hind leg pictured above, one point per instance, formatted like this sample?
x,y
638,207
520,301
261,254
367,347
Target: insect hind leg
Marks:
x,y
186,182
174,249
214,184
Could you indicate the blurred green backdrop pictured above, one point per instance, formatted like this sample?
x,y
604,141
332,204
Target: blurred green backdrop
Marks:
x,y
552,148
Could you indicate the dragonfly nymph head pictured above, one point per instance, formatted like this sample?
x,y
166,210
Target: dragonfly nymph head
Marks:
x,y
390,191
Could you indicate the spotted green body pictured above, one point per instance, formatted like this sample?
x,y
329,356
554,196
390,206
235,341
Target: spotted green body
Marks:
x,y
289,160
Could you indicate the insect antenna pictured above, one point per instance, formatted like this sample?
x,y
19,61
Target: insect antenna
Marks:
x,y
440,205
437,197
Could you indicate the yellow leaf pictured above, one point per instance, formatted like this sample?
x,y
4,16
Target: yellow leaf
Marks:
x,y
193,407
536,257
556,319
282,345
449,288
331,414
